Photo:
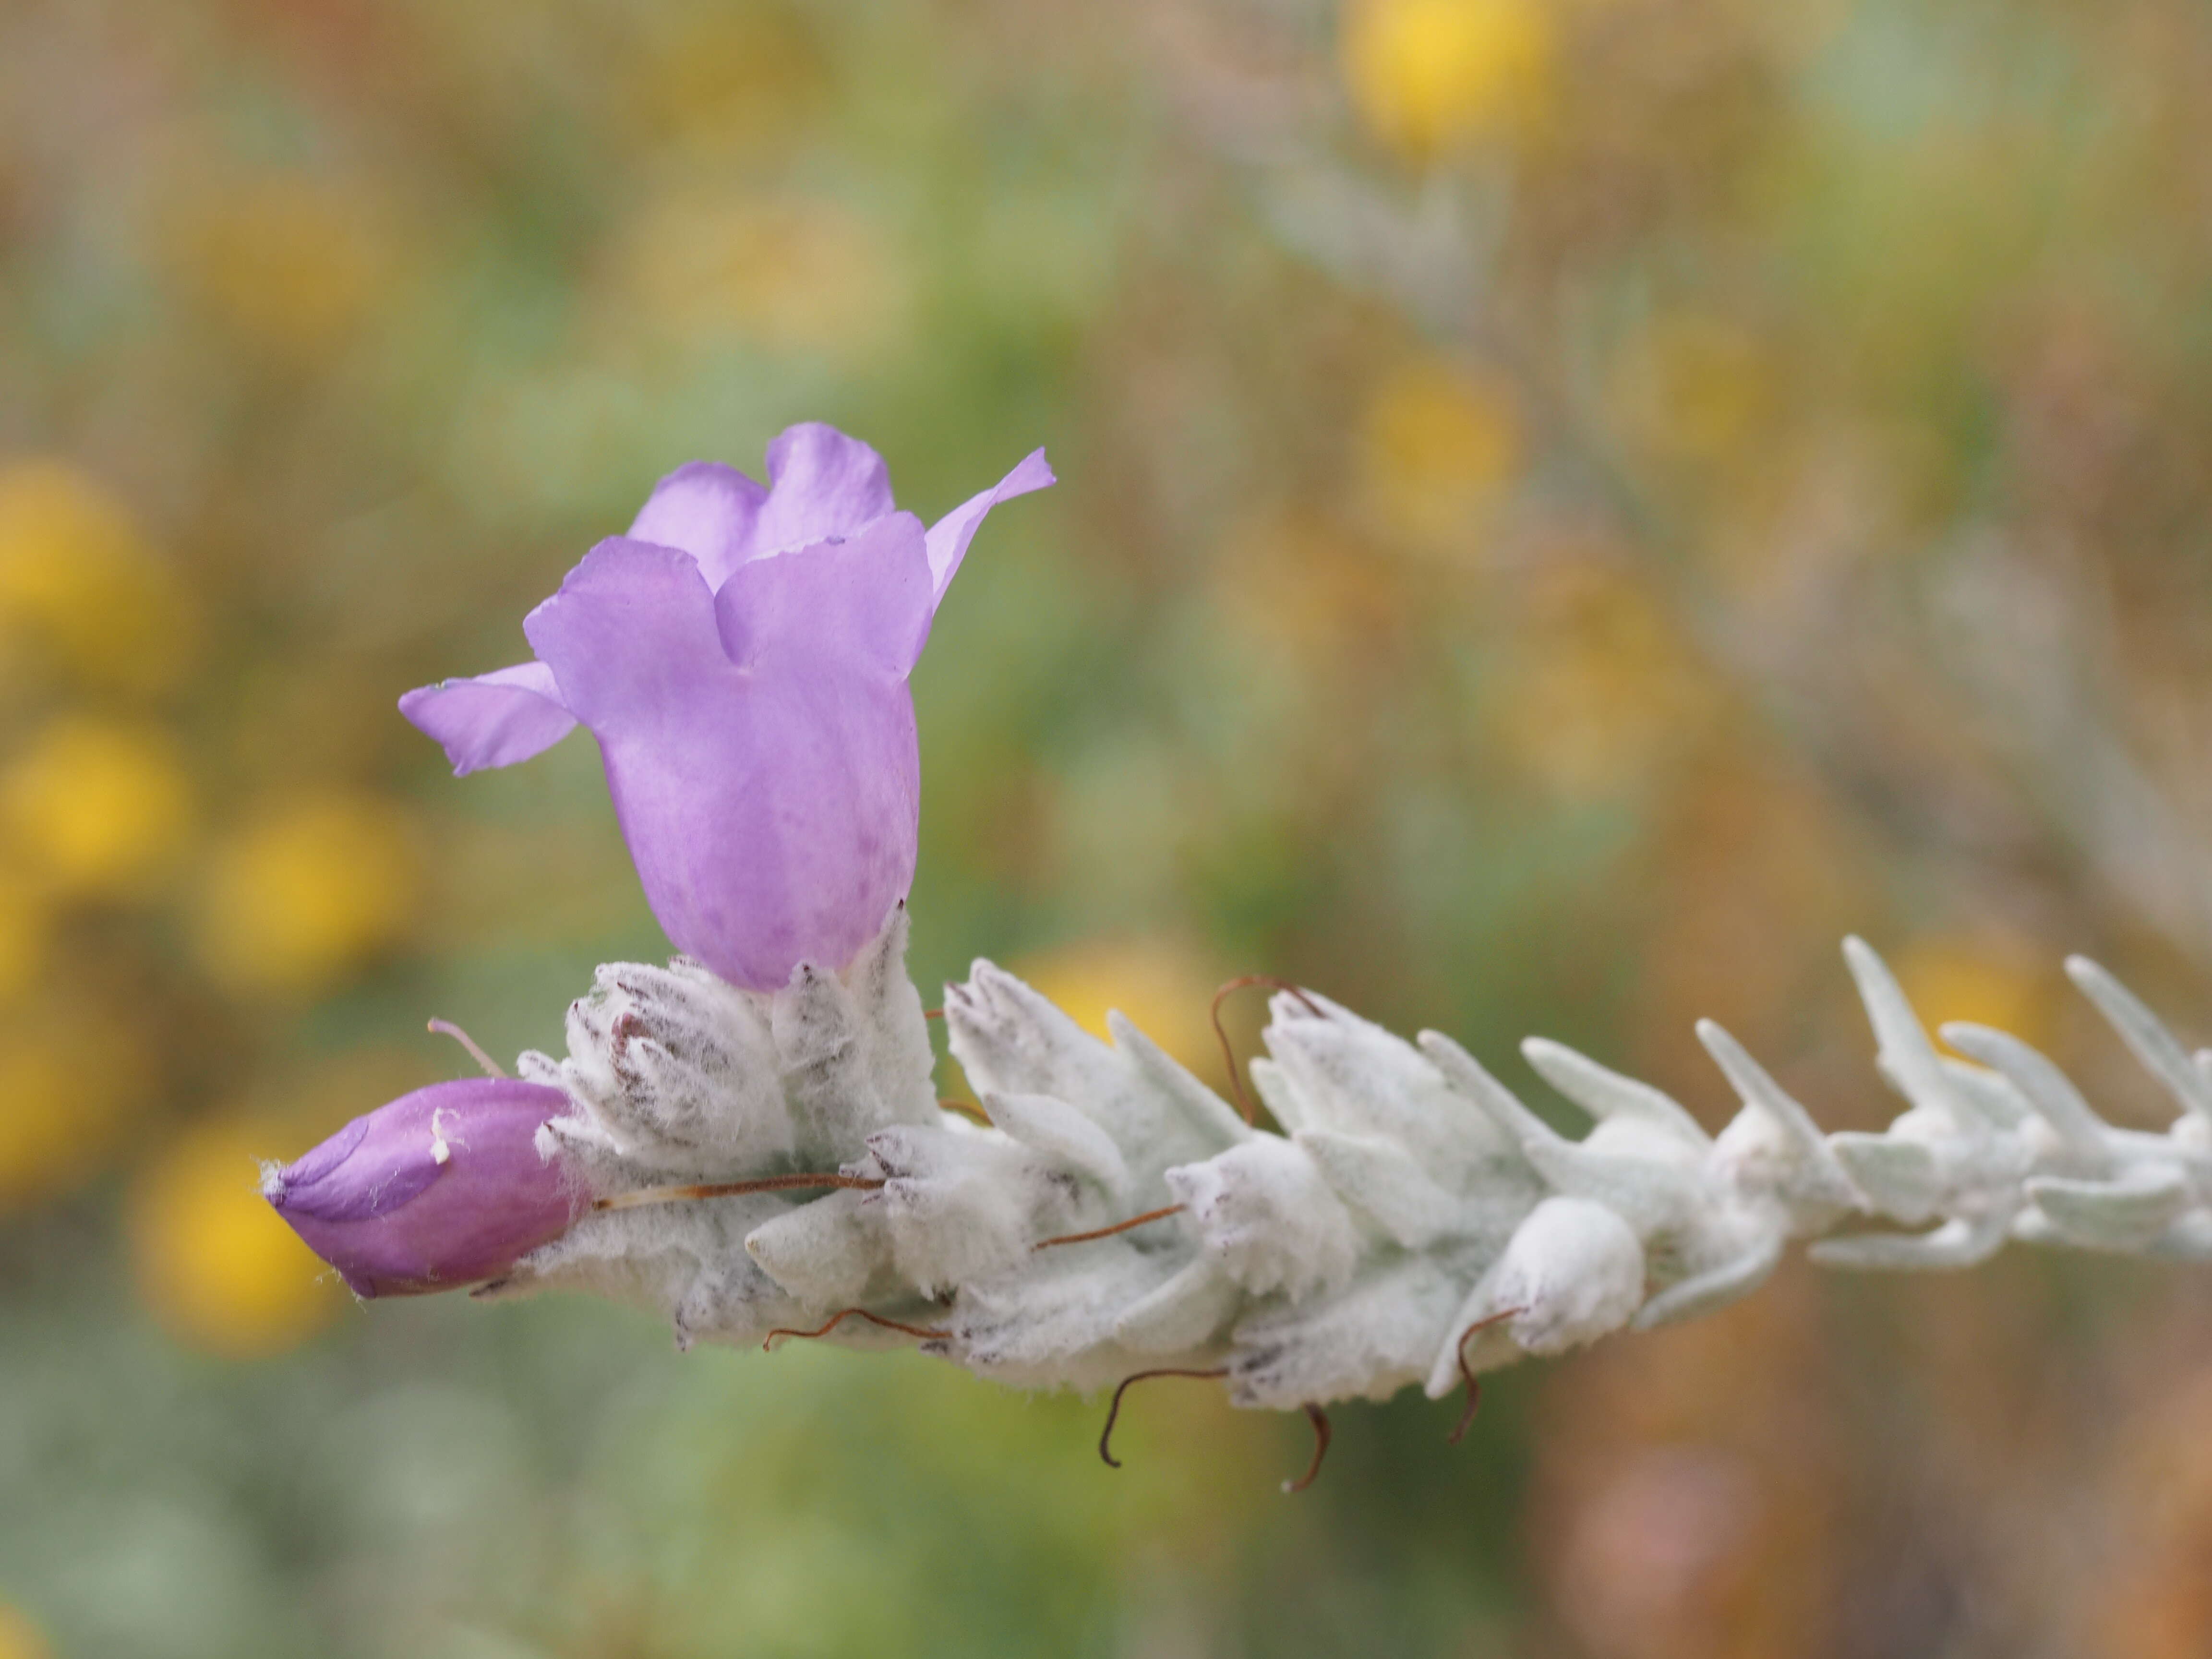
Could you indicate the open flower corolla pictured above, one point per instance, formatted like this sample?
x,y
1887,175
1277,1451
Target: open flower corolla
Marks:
x,y
741,657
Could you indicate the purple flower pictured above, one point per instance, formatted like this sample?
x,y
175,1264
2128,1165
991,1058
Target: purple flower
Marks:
x,y
440,1187
742,657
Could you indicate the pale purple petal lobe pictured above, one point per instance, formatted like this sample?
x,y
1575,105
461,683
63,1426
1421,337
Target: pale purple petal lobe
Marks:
x,y
492,720
949,536
705,509
630,637
822,485
864,601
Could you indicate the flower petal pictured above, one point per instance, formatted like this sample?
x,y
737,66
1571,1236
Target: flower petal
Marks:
x,y
364,1170
823,486
866,602
630,636
707,510
949,536
770,808
492,720
302,1179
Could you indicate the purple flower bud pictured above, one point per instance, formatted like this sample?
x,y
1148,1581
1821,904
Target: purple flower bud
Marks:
x,y
742,657
442,1187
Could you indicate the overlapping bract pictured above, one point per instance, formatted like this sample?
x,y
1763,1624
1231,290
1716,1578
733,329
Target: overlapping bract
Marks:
x,y
1411,1202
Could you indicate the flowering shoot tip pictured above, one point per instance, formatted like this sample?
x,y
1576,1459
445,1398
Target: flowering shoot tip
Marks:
x,y
742,659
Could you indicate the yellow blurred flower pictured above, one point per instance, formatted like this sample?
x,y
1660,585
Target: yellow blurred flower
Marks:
x,y
1987,979
68,1088
1162,984
214,1264
19,1636
1434,449
289,261
1300,581
1600,690
787,271
1762,875
78,583
1425,75
96,807
307,890
1696,386
714,79
23,926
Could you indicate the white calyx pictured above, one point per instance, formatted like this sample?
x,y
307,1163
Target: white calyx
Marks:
x,y
1414,1222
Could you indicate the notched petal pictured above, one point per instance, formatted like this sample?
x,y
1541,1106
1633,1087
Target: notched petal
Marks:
x,y
707,510
821,484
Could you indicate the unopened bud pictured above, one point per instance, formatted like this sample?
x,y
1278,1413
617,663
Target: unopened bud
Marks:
x,y
442,1187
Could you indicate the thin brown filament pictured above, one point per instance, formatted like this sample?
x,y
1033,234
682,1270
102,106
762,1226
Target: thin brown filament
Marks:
x,y
1228,1054
1113,1411
1108,1232
844,1313
1318,1418
965,1110
790,1184
446,1028
933,1014
1473,1388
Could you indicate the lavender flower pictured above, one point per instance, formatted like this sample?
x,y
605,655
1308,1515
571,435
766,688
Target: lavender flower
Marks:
x,y
742,657
442,1187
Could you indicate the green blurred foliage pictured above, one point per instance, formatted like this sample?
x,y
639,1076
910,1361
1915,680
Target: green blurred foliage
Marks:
x,y
1569,505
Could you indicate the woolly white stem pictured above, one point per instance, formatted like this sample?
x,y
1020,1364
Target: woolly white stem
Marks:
x,y
1416,1223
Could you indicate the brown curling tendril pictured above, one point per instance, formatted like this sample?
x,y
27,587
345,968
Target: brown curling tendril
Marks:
x,y
1228,1054
1318,1418
1473,1388
844,1313
1108,1232
1113,1411
788,1183
1314,1415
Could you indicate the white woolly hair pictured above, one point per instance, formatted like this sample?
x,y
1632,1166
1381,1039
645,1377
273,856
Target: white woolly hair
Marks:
x,y
1415,1223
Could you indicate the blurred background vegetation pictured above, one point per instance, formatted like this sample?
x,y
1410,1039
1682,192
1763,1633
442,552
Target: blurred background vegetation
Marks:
x,y
1568,506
